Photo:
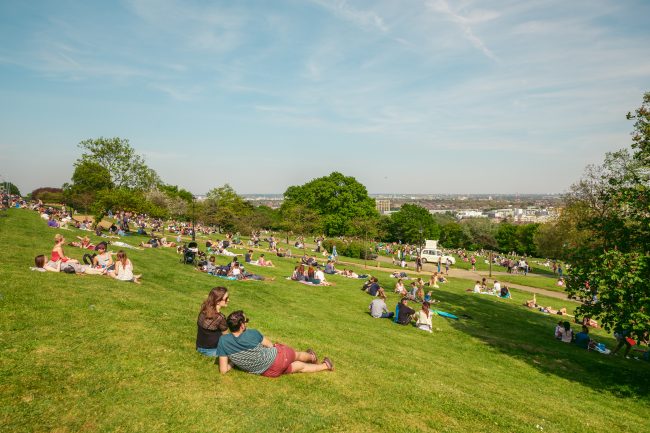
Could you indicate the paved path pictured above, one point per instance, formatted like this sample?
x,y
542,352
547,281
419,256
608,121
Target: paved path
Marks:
x,y
457,273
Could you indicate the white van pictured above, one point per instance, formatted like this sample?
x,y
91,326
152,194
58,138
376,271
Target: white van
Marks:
x,y
432,256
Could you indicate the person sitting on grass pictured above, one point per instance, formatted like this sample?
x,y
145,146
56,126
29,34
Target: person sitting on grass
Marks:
x,y
373,288
566,334
263,262
299,273
124,269
478,287
423,318
433,281
583,340
250,351
319,277
103,259
403,313
558,330
330,269
57,251
378,308
211,323
505,292
399,288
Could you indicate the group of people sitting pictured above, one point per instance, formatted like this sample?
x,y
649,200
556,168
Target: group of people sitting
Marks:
x,y
235,345
403,315
232,270
497,289
310,274
99,263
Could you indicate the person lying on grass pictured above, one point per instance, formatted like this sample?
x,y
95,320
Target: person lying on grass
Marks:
x,y
60,266
124,269
84,243
211,323
248,350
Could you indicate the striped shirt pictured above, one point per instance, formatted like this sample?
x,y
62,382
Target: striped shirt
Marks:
x,y
247,351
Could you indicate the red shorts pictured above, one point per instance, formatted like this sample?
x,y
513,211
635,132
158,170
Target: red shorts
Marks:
x,y
282,363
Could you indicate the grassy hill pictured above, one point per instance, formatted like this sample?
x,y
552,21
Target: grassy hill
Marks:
x,y
87,353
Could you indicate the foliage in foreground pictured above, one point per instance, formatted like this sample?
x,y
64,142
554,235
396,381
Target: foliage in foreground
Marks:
x,y
610,210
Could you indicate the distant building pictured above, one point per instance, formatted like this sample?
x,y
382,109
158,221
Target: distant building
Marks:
x,y
382,206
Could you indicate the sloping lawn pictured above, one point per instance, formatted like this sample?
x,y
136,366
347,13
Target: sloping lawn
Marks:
x,y
86,353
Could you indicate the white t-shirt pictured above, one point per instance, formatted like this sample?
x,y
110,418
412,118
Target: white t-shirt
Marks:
x,y
319,275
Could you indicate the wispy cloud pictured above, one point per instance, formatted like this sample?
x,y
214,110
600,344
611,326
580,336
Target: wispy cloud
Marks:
x,y
466,23
342,9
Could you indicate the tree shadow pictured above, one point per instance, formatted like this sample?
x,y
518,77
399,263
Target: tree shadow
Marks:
x,y
527,335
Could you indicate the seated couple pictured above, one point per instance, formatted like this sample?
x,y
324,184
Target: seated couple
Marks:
x,y
564,333
404,315
373,288
248,258
155,243
250,351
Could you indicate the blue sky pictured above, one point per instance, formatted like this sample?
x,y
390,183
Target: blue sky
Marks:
x,y
407,96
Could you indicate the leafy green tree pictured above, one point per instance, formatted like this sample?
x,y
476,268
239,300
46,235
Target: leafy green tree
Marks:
x,y
10,188
526,239
127,168
226,209
301,219
88,179
455,235
610,270
338,199
482,232
506,237
407,222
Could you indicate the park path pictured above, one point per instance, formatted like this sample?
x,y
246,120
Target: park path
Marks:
x,y
464,274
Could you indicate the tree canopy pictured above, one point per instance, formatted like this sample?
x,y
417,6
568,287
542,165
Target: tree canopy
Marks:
x,y
337,199
610,265
126,167
413,224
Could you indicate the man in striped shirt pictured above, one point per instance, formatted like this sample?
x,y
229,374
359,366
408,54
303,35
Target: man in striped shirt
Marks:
x,y
248,350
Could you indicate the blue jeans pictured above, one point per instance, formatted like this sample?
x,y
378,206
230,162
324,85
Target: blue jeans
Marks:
x,y
387,315
207,352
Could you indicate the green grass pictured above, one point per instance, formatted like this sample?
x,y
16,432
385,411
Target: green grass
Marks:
x,y
86,353
548,283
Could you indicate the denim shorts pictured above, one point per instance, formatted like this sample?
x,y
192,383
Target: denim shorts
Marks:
x,y
207,352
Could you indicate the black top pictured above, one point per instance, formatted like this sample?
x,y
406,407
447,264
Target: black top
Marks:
x,y
405,313
209,330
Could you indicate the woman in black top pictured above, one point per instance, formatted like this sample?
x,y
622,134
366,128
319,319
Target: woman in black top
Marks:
x,y
211,322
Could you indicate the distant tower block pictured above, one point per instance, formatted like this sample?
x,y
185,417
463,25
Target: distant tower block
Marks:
x,y
382,206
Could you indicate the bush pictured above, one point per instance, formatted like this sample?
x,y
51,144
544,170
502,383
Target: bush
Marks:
x,y
352,249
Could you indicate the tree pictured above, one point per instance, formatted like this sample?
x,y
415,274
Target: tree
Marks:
x,y
48,194
507,237
482,232
127,168
610,270
88,179
10,188
336,198
226,209
455,235
407,222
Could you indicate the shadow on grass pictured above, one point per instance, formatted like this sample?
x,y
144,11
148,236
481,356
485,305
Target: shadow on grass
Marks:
x,y
528,336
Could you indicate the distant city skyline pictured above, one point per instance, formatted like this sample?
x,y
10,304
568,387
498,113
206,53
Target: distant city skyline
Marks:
x,y
431,96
